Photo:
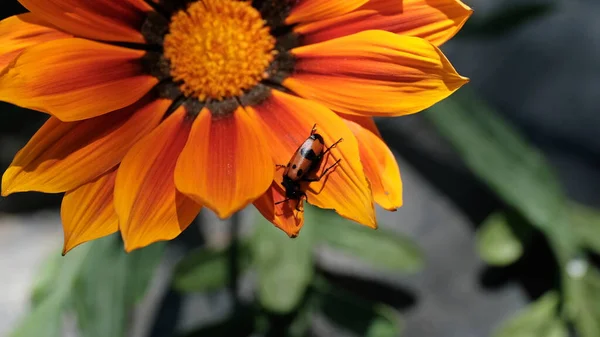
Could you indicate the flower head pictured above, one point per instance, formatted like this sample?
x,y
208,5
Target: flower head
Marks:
x,y
161,107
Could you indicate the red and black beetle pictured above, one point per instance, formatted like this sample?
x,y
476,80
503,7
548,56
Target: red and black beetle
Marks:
x,y
304,165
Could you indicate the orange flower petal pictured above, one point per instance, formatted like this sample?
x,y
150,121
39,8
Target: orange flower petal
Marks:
x,y
284,216
225,164
433,20
62,156
289,120
88,212
149,206
366,122
380,167
74,79
22,31
108,20
314,10
391,7
374,73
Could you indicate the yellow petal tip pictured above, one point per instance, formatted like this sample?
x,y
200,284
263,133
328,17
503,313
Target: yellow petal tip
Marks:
x,y
67,248
370,222
131,247
5,190
132,244
291,233
221,211
389,206
466,7
225,213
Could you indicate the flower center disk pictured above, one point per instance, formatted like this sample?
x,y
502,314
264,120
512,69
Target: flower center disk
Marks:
x,y
218,48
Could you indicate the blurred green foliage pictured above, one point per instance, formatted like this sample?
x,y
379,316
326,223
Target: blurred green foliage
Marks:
x,y
290,283
497,242
208,269
537,320
521,177
98,282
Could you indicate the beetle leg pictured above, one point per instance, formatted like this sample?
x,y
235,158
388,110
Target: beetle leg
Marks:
x,y
332,146
313,191
298,206
313,130
324,172
279,166
282,201
288,199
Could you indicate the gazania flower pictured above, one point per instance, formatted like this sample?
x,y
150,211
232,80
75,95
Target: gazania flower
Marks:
x,y
160,108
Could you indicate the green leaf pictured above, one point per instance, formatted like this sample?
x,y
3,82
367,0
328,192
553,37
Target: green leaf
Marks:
x,y
583,303
301,323
44,320
497,242
141,267
517,172
99,279
110,284
379,248
539,319
208,269
52,296
497,154
284,265
46,279
586,223
99,296
352,313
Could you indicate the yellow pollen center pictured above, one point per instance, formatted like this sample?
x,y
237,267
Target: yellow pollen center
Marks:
x,y
218,48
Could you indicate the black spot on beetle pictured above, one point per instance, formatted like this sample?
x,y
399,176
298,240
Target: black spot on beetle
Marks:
x,y
310,154
294,166
300,173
